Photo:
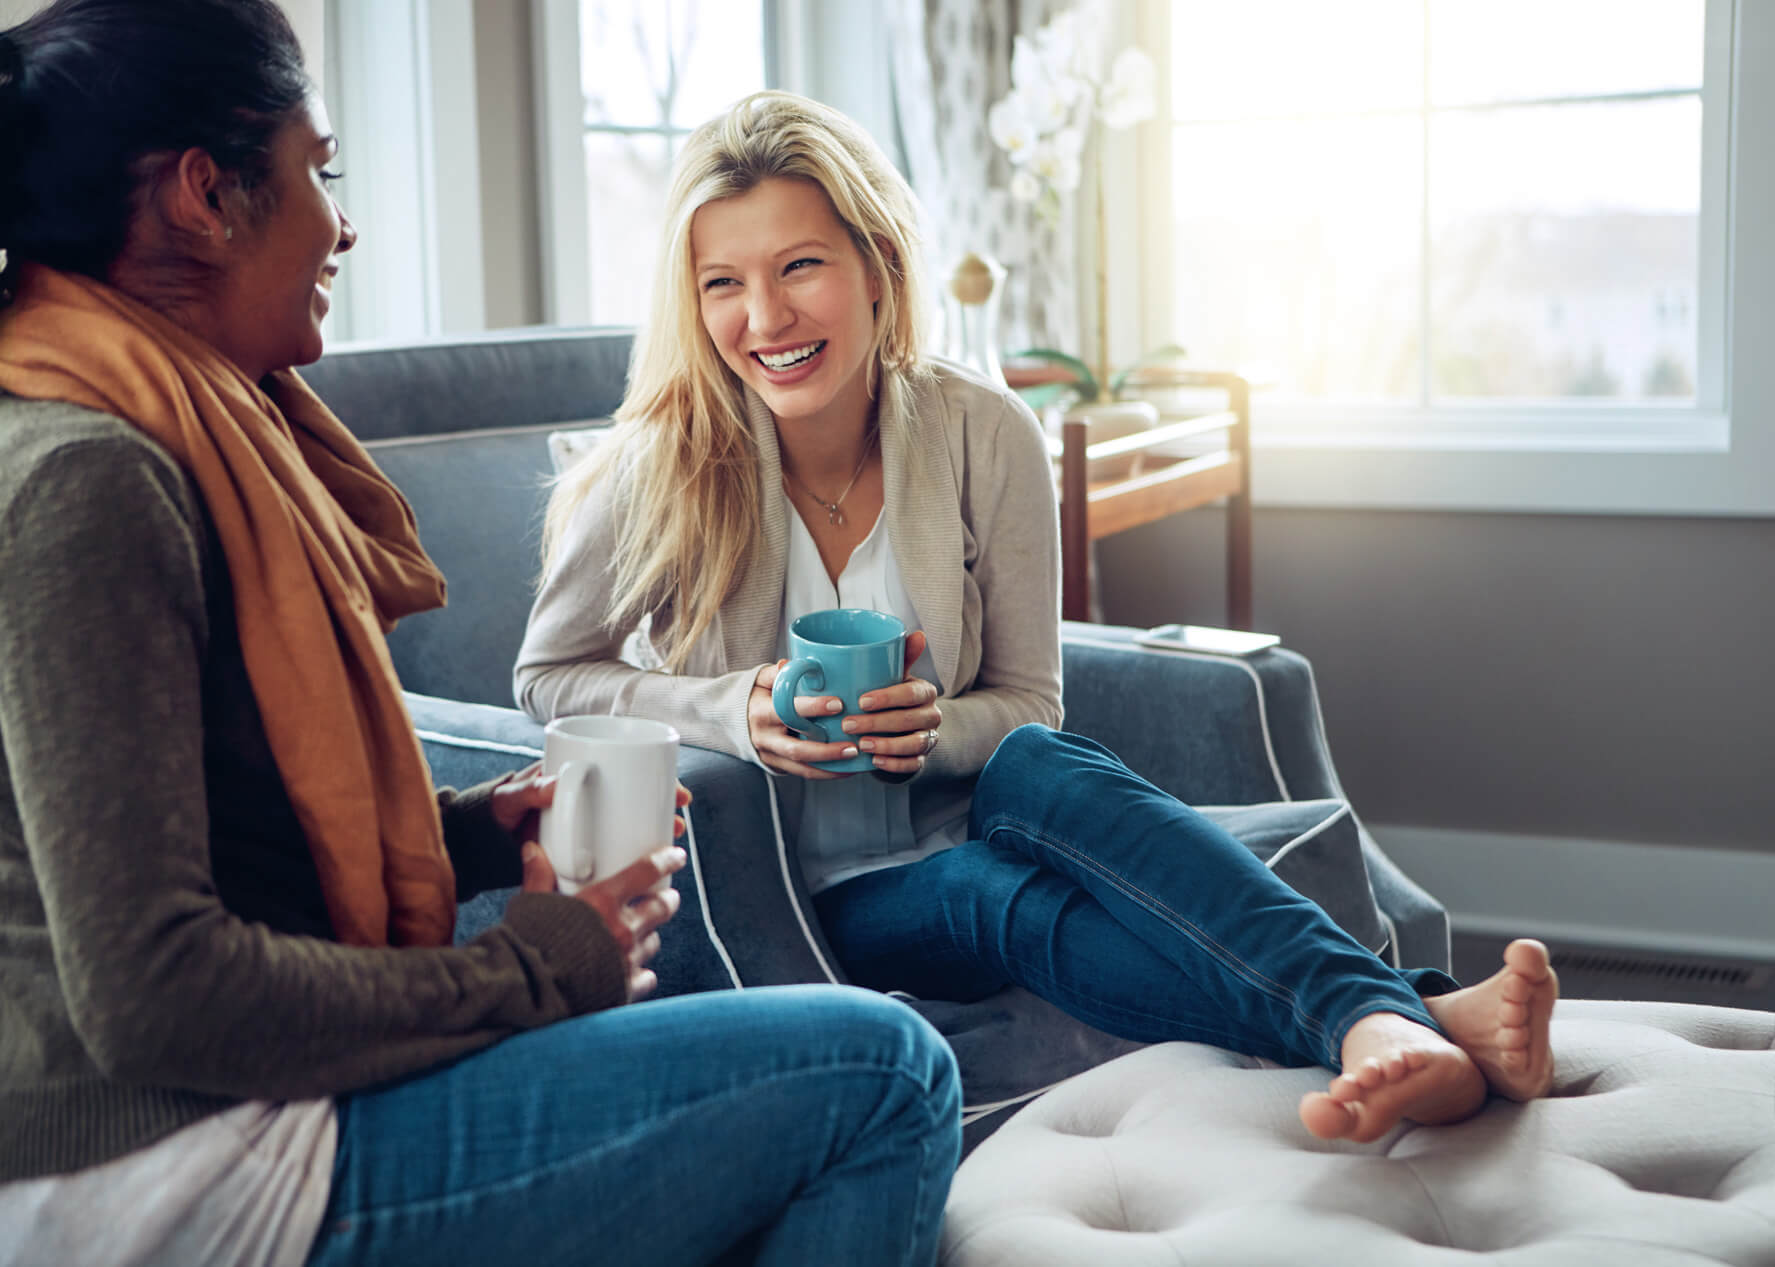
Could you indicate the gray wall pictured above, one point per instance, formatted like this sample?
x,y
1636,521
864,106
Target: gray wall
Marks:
x,y
1571,676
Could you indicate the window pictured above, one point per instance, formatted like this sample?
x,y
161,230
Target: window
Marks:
x,y
1487,223
649,71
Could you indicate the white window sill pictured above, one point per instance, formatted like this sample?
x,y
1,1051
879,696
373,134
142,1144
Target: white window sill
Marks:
x,y
1506,476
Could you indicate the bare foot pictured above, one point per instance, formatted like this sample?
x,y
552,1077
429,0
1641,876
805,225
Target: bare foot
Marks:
x,y
1503,1022
1394,1068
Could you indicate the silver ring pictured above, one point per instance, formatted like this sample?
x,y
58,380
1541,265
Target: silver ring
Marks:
x,y
930,741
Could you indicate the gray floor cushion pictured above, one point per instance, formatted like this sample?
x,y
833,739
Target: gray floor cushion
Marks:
x,y
1656,1147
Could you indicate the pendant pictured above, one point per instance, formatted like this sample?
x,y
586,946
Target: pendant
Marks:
x,y
834,516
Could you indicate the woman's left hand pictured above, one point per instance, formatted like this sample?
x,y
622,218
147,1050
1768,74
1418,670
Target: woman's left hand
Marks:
x,y
519,799
898,724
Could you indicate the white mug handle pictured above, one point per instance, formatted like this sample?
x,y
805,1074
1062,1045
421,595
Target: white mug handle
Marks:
x,y
571,859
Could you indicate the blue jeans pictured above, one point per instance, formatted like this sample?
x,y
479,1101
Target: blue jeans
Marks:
x,y
1085,884
794,1125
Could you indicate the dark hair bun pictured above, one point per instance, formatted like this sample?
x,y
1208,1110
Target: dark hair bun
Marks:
x,y
90,88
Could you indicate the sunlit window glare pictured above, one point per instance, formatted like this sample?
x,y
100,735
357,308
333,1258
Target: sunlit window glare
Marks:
x,y
1431,202
650,70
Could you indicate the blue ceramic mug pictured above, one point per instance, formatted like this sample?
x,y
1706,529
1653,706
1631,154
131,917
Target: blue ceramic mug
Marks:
x,y
843,651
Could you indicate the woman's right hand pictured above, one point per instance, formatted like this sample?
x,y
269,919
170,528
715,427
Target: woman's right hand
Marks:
x,y
627,903
781,748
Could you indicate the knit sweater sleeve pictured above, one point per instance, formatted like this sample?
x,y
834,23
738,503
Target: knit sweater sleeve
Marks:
x,y
102,639
483,854
1015,522
570,661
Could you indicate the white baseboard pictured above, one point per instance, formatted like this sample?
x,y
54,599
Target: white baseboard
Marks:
x,y
1667,898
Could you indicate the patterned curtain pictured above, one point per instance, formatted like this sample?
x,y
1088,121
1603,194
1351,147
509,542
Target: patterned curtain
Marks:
x,y
951,60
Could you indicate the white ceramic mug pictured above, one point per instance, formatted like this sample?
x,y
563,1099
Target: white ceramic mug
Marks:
x,y
616,793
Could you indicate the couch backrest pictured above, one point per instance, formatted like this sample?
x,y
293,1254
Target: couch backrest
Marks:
x,y
461,427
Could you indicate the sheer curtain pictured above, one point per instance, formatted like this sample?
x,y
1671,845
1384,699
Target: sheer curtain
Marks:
x,y
951,59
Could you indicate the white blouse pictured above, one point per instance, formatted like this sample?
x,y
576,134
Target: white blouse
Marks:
x,y
846,827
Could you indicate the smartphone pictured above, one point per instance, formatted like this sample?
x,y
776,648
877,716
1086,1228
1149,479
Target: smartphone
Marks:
x,y
1206,639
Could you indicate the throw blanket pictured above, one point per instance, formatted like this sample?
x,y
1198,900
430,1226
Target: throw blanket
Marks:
x,y
324,556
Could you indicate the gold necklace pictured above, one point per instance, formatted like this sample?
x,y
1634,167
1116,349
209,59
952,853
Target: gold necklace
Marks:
x,y
834,515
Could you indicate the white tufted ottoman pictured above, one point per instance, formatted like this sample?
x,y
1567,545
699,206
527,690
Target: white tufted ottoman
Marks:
x,y
1657,1146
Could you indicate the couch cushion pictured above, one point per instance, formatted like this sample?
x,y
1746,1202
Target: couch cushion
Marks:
x,y
506,378
1656,1146
494,484
569,446
1316,847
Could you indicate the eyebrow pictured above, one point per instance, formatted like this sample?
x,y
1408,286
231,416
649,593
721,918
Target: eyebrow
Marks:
x,y
787,250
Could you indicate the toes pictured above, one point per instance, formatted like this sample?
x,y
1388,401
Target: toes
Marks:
x,y
1511,1015
1325,1117
1345,1089
1528,957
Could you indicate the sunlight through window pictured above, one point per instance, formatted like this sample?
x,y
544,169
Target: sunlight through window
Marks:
x,y
1435,203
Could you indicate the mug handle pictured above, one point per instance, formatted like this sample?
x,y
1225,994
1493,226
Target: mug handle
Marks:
x,y
782,696
560,844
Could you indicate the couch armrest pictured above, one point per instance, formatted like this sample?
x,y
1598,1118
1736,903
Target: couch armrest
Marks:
x,y
1223,730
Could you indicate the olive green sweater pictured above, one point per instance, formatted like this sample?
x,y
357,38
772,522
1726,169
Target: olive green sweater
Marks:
x,y
164,947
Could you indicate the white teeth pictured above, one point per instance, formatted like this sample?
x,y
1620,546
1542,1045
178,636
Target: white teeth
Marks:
x,y
793,357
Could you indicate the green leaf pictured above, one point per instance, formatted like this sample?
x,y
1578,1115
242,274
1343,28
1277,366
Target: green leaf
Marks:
x,y
1085,380
1158,356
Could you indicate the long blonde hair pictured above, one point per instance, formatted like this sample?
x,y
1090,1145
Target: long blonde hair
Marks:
x,y
682,453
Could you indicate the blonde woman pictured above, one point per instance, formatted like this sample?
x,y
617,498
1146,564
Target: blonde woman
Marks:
x,y
785,446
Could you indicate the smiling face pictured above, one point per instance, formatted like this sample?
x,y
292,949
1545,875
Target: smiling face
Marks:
x,y
787,300
278,274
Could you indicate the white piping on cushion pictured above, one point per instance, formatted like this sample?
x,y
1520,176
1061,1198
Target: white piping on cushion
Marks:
x,y
1263,708
480,745
482,433
702,893
1343,811
776,824
696,864
974,1112
1392,936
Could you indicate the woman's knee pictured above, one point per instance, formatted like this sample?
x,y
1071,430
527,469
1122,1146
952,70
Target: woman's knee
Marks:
x,y
890,1035
1029,748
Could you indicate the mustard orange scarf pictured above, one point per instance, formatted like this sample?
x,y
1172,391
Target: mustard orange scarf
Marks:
x,y
324,556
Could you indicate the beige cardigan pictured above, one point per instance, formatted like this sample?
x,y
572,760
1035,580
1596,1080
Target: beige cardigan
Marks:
x,y
974,527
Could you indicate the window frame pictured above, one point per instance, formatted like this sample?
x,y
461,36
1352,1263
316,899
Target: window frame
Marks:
x,y
561,128
1530,456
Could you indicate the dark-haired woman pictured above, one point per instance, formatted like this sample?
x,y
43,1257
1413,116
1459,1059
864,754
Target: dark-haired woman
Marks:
x,y
232,1025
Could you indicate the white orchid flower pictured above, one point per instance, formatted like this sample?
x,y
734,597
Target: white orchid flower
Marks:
x,y
1027,64
1060,45
1011,128
1038,76
1025,187
1068,142
1051,103
1055,167
1130,93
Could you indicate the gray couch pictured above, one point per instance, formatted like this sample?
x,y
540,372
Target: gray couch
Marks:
x,y
1169,1153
